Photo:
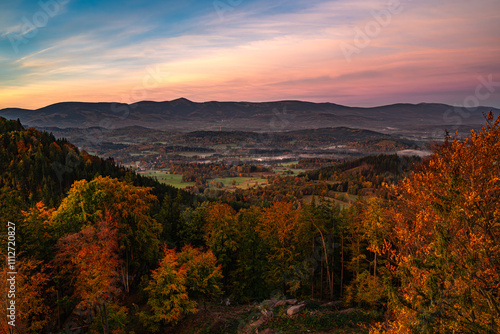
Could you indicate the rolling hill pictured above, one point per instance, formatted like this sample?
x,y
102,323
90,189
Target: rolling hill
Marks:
x,y
185,115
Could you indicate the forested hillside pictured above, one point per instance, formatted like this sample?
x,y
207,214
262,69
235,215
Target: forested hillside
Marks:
x,y
38,167
100,249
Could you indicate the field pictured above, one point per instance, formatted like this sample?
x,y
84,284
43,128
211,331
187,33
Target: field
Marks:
x,y
175,180
202,155
170,179
286,166
280,170
240,182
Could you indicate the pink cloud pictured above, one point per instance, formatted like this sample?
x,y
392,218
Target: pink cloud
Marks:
x,y
430,52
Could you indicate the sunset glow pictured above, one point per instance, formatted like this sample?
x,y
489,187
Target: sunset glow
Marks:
x,y
358,53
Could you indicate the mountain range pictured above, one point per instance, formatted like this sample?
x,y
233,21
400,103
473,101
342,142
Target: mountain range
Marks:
x,y
185,115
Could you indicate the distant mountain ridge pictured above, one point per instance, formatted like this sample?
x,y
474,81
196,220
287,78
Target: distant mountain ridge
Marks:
x,y
185,115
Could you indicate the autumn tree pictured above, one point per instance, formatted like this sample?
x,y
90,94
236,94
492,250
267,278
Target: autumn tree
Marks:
x,y
168,298
32,313
444,238
203,274
368,235
282,231
87,202
221,235
91,258
36,232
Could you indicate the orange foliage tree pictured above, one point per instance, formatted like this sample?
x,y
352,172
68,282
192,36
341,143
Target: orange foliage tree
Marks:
x,y
131,206
31,311
168,298
443,236
36,232
91,258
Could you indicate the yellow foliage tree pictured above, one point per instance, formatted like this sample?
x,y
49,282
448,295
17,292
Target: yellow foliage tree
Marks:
x,y
282,230
221,232
167,294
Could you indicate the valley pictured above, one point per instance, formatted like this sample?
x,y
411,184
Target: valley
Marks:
x,y
155,153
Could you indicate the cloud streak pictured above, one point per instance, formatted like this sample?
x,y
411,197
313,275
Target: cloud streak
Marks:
x,y
260,51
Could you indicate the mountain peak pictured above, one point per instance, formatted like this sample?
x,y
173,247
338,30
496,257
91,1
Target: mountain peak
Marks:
x,y
182,100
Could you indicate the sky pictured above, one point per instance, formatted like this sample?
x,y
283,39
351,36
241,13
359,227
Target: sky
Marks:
x,y
350,52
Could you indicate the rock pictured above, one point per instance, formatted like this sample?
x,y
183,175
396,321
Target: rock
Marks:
x,y
295,309
291,301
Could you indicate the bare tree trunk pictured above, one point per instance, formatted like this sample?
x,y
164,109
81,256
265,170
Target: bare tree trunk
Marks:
x,y
342,268
103,324
333,260
58,310
332,271
83,212
125,277
321,281
125,274
312,279
326,258
106,318
357,259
